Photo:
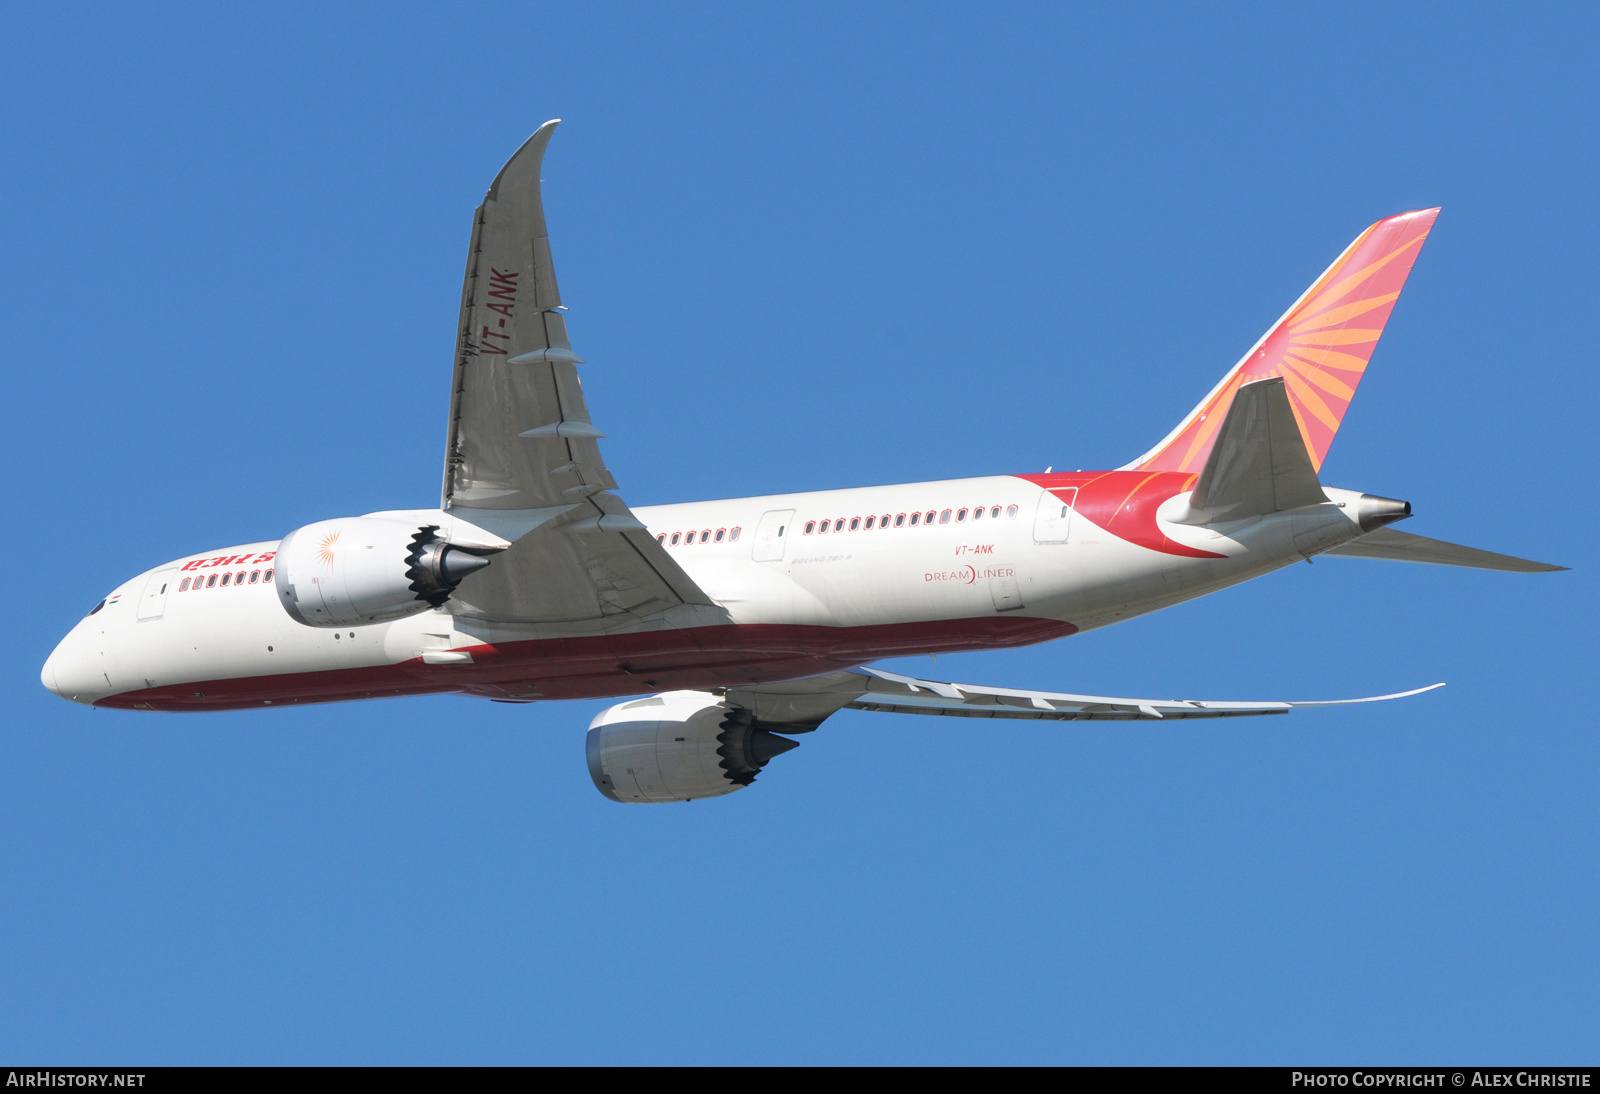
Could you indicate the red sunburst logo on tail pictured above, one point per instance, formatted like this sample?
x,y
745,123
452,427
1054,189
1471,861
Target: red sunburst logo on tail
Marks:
x,y
1320,347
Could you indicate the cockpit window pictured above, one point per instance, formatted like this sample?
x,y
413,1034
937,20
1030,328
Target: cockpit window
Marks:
x,y
97,607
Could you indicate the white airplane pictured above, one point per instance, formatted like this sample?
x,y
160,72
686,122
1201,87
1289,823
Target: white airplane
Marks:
x,y
752,617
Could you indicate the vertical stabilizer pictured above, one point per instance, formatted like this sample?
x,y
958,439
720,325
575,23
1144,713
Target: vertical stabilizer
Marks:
x,y
1320,347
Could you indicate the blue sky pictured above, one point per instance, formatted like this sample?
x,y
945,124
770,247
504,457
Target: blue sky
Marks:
x,y
809,246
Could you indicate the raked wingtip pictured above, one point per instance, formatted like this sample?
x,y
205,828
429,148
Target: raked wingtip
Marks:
x,y
1366,699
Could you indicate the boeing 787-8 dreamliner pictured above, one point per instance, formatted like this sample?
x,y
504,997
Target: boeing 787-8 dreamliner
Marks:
x,y
751,619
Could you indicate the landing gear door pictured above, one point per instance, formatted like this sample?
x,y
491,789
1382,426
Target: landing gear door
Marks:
x,y
1054,520
154,601
772,534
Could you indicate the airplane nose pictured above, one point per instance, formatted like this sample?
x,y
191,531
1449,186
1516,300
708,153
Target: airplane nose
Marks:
x,y
70,674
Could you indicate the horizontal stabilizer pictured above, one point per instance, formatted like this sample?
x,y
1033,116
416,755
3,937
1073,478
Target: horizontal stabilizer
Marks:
x,y
1259,462
1397,546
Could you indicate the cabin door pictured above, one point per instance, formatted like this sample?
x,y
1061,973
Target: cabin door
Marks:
x,y
1054,519
154,601
772,534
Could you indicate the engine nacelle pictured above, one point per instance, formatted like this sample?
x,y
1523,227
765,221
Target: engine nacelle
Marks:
x,y
677,747
339,573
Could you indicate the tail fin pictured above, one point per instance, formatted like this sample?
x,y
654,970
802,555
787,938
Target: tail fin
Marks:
x,y
1320,347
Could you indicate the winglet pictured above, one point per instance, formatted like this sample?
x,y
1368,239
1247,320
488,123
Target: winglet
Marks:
x,y
1320,347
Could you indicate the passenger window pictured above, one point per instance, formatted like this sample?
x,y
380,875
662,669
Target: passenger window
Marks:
x,y
825,527
977,514
944,517
869,524
915,518
733,536
705,536
255,576
183,587
662,538
720,533
855,524
238,578
927,517
266,578
899,520
961,515
675,539
883,521
811,526
225,578
994,514
1011,512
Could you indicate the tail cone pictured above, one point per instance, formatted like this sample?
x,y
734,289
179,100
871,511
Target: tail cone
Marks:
x,y
1374,512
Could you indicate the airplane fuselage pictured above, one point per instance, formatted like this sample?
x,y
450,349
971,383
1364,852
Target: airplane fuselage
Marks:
x,y
805,583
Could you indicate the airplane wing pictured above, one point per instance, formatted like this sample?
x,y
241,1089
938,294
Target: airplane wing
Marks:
x,y
801,705
523,457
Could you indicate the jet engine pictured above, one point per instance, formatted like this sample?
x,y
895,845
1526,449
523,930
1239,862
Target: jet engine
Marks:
x,y
338,573
677,747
